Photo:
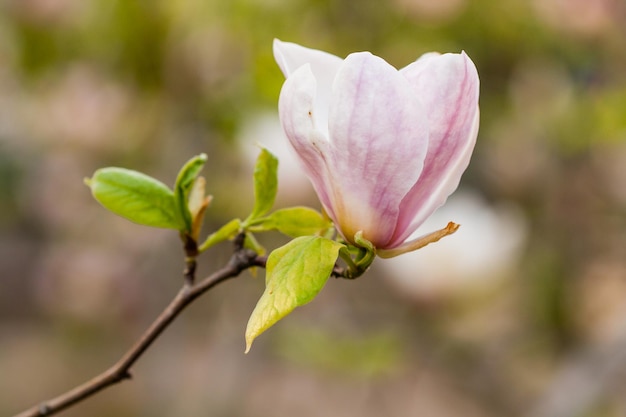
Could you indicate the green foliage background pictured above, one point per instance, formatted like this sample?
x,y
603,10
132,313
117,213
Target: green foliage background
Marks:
x,y
148,84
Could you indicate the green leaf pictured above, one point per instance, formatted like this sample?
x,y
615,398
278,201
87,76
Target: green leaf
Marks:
x,y
295,222
135,196
265,183
250,242
228,231
296,273
184,183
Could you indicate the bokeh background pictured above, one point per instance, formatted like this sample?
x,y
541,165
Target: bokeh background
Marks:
x,y
521,313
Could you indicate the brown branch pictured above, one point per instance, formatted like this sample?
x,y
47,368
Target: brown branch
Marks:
x,y
242,259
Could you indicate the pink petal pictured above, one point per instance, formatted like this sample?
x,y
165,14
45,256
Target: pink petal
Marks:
x,y
448,85
378,139
296,109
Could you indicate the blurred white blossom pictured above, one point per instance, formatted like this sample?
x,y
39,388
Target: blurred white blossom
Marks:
x,y
488,244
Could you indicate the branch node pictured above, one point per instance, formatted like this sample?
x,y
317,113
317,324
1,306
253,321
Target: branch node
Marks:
x,y
242,259
190,245
239,240
190,270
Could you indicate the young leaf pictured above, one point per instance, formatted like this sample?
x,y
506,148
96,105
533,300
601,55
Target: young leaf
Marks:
x,y
265,183
295,222
135,196
228,231
197,203
251,242
184,183
296,273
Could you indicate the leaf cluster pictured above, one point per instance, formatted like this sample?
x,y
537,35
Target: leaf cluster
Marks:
x,y
296,272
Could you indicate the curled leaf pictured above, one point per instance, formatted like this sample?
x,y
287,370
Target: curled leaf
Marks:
x,y
184,183
265,183
198,202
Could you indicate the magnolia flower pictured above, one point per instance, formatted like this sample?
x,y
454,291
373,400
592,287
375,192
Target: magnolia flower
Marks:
x,y
383,148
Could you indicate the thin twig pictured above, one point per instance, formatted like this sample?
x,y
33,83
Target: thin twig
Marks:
x,y
242,259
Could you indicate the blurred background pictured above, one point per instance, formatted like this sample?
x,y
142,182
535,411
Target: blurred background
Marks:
x,y
521,313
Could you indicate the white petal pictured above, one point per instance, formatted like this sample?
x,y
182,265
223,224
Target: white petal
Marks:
x,y
296,109
324,66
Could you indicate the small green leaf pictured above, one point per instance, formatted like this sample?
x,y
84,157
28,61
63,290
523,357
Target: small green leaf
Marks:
x,y
296,273
184,183
251,242
228,231
295,222
135,196
265,183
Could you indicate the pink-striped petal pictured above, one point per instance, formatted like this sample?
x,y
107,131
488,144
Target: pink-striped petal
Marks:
x,y
448,85
378,141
